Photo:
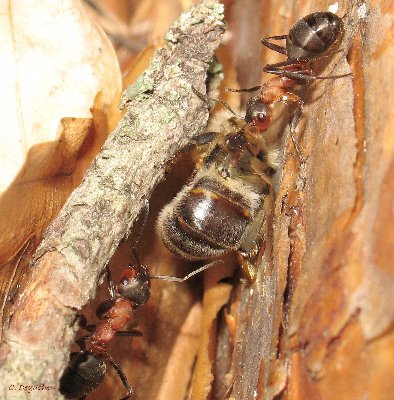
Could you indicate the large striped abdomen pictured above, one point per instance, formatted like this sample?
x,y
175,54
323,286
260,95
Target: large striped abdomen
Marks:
x,y
206,219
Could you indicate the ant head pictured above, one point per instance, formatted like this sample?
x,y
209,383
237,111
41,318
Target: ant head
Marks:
x,y
134,284
258,113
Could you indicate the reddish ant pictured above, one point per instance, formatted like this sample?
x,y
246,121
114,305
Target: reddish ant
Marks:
x,y
313,37
87,368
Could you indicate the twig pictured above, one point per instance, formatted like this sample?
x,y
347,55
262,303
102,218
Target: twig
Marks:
x,y
162,114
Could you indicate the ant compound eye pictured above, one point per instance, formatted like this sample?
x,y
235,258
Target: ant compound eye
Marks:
x,y
258,113
124,282
262,121
261,117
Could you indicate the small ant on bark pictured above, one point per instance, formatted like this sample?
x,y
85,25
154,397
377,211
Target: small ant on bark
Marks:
x,y
311,38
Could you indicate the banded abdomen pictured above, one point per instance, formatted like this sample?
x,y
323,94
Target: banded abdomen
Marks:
x,y
210,216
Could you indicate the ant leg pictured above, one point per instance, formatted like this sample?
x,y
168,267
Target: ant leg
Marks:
x,y
137,260
145,211
83,323
122,376
279,49
111,286
90,328
291,69
297,148
333,76
201,96
227,107
293,65
133,333
288,98
296,118
300,76
291,98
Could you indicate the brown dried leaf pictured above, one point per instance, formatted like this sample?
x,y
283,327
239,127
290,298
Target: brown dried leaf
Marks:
x,y
59,72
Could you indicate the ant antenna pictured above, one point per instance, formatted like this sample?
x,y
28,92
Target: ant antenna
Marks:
x,y
135,255
332,76
145,211
248,90
196,271
227,107
208,101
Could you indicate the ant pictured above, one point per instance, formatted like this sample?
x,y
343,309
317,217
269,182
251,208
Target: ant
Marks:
x,y
311,38
87,368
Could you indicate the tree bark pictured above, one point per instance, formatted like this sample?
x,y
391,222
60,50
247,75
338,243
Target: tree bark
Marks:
x,y
318,322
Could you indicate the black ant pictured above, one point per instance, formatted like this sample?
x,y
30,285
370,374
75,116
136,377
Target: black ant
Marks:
x,y
87,368
313,37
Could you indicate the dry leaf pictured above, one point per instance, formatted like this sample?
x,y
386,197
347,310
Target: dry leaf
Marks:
x,y
59,82
54,62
